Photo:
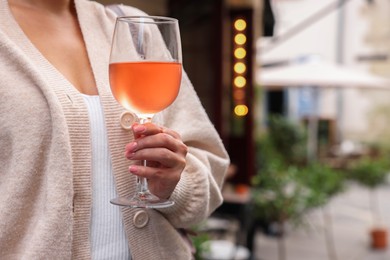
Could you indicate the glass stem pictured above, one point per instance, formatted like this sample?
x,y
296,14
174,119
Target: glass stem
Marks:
x,y
143,182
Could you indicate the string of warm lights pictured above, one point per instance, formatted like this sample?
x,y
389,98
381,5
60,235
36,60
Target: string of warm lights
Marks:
x,y
239,66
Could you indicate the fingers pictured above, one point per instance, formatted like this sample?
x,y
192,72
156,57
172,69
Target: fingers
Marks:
x,y
165,153
162,156
160,145
155,174
145,129
161,181
157,144
153,136
152,129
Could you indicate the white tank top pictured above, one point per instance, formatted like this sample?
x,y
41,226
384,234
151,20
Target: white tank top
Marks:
x,y
108,238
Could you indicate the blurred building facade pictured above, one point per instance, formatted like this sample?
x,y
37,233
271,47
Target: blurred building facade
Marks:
x,y
353,33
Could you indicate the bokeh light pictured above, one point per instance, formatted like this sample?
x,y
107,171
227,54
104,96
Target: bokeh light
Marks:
x,y
239,81
240,39
240,24
239,67
241,110
240,53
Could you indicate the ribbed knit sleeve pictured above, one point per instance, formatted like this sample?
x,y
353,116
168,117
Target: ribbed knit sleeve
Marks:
x,y
198,192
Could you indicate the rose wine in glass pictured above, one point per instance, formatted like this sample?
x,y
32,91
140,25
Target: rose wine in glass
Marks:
x,y
145,75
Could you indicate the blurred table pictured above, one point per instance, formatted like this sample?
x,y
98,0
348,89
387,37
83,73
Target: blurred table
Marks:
x,y
238,206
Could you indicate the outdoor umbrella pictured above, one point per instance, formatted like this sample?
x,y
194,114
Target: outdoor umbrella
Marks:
x,y
320,74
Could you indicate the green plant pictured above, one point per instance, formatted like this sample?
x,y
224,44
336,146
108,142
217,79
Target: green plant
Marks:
x,y
200,245
288,138
282,193
278,196
285,186
324,182
370,172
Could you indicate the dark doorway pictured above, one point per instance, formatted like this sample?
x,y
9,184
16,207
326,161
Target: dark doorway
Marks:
x,y
201,31
275,102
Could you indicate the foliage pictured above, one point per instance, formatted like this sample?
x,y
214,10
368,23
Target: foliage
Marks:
x,y
288,138
323,180
369,171
279,196
200,246
285,187
282,193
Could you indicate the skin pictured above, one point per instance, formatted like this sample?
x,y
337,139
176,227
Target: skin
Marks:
x,y
53,28
165,153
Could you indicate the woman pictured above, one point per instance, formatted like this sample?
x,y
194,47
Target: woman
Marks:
x,y
64,153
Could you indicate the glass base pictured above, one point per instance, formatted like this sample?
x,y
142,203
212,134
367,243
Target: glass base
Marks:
x,y
142,200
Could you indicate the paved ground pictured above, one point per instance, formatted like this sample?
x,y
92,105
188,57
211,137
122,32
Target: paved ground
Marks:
x,y
339,231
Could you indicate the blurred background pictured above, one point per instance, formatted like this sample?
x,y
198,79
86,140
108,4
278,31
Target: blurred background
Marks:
x,y
299,92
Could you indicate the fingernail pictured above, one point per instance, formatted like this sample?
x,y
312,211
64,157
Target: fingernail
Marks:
x,y
131,147
133,169
130,155
139,128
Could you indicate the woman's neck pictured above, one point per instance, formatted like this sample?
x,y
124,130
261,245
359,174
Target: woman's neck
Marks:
x,y
57,6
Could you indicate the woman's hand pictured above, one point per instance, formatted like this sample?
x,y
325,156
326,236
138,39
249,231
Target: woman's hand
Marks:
x,y
165,154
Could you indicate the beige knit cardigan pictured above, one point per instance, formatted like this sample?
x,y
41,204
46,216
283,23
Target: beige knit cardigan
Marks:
x,y
45,162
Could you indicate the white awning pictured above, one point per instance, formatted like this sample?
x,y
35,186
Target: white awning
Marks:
x,y
318,74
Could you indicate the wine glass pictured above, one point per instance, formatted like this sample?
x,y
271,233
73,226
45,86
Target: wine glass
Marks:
x,y
145,74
